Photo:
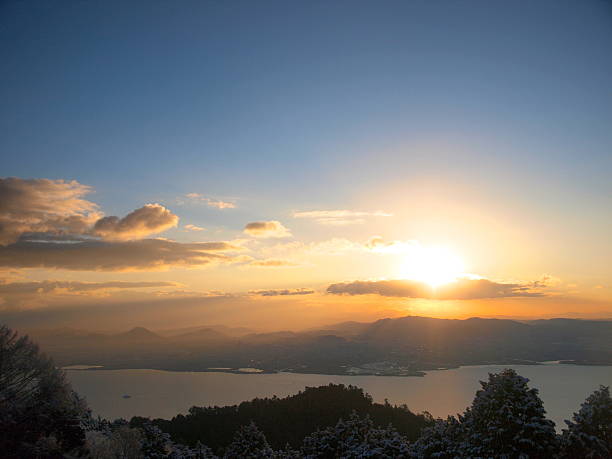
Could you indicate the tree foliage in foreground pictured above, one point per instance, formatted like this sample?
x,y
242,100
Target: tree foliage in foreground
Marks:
x,y
507,418
40,415
355,438
589,434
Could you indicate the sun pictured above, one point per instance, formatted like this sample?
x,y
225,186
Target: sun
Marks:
x,y
434,266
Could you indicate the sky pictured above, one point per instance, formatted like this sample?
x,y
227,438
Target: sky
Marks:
x,y
289,164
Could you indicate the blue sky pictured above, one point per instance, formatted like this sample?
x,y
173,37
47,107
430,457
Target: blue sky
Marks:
x,y
249,97
399,106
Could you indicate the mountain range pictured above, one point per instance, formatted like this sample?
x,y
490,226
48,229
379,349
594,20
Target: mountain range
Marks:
x,y
402,346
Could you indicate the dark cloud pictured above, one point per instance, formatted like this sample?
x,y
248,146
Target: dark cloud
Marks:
x,y
142,255
282,292
265,229
462,289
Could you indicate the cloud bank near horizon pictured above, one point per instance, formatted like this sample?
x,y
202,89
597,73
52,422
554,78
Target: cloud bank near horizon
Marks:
x,y
462,289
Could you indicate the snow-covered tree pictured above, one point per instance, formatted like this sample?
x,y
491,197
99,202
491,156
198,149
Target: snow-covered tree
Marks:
x,y
249,442
441,440
507,419
589,434
355,438
155,443
38,408
287,453
126,443
200,451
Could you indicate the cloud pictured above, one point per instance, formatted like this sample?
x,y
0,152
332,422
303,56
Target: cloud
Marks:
x,y
193,228
299,250
191,294
378,244
462,289
339,217
547,281
42,205
265,229
141,255
74,287
282,292
150,219
25,295
211,202
272,263
55,209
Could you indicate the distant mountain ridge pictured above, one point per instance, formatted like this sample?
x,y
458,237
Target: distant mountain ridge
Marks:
x,y
403,346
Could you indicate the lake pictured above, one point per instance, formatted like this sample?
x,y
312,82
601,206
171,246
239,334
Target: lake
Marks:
x,y
163,394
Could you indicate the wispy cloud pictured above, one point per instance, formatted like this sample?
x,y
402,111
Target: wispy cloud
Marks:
x,y
282,292
380,245
272,263
217,203
193,228
75,287
339,217
266,229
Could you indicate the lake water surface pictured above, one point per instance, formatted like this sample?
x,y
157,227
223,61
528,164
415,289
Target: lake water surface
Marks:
x,y
164,394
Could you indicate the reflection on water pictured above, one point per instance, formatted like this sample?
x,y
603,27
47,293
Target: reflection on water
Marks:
x,y
164,394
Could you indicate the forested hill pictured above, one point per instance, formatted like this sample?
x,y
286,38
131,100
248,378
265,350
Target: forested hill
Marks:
x,y
289,419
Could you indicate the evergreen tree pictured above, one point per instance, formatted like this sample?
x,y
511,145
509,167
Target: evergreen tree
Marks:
x,y
287,453
507,419
200,451
441,440
589,435
355,438
155,443
249,442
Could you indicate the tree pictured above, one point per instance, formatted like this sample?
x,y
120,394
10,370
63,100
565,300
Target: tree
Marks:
x,y
249,442
441,440
355,438
155,443
589,435
287,453
507,419
40,414
315,407
126,443
200,451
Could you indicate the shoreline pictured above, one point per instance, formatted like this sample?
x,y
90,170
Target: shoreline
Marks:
x,y
415,373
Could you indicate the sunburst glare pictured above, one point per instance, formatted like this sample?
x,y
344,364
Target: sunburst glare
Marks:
x,y
434,266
